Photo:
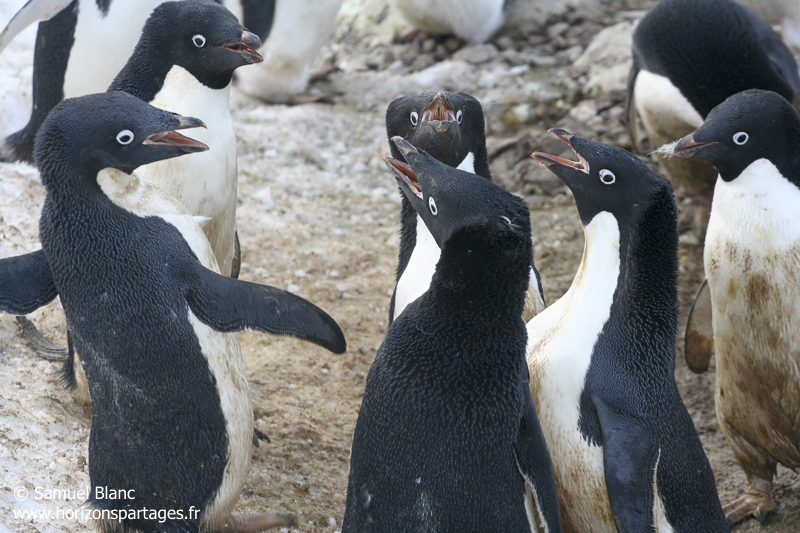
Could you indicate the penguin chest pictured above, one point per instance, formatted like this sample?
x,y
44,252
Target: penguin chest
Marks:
x,y
416,278
752,262
92,68
666,113
474,20
561,340
205,182
226,361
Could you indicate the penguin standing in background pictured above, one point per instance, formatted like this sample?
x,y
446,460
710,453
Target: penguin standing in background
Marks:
x,y
297,30
752,262
172,418
688,57
625,451
449,127
447,438
472,20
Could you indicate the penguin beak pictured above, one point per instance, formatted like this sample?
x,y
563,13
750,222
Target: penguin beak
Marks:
x,y
403,172
687,147
439,113
245,47
550,160
171,138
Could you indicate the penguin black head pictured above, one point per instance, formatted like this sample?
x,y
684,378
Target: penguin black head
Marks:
x,y
461,206
746,127
447,126
108,130
202,37
605,178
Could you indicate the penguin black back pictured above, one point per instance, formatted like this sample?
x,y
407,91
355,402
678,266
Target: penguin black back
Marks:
x,y
713,49
447,435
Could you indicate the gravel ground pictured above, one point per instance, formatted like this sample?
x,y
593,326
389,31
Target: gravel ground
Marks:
x,y
318,214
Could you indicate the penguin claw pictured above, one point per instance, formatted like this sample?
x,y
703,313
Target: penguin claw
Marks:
x,y
754,502
43,347
256,523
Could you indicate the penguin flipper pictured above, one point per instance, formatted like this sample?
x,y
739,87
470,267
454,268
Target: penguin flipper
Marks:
x,y
227,305
32,11
533,461
698,341
631,120
26,283
534,297
630,458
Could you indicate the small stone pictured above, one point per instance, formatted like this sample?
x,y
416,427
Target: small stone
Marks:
x,y
478,54
331,521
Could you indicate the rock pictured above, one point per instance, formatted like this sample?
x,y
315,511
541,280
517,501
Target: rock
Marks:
x,y
477,55
536,175
607,59
532,16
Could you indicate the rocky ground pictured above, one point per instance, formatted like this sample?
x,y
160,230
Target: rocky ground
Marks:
x,y
318,214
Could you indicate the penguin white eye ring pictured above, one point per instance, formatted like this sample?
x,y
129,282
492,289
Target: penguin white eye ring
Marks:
x,y
432,205
740,138
607,177
125,137
199,41
414,118
459,116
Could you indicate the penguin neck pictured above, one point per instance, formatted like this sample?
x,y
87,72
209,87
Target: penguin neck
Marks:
x,y
144,73
645,303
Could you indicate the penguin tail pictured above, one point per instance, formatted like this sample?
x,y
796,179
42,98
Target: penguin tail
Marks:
x,y
631,119
18,147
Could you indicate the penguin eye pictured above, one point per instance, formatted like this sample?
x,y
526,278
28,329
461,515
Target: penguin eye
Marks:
x,y
740,138
459,116
414,118
432,205
125,137
607,177
199,41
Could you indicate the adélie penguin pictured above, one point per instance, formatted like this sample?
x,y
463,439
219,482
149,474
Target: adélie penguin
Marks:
x,y
688,57
625,451
752,261
447,438
450,127
172,415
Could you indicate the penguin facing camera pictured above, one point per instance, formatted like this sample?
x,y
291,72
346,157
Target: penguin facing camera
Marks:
x,y
688,57
752,261
625,451
449,127
172,417
447,437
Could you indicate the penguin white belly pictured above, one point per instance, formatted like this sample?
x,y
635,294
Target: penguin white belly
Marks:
x,y
204,182
103,44
416,278
752,262
473,20
468,164
299,30
560,343
665,111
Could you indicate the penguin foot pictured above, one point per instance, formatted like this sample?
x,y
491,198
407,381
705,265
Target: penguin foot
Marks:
x,y
259,435
322,73
323,98
43,347
757,501
255,523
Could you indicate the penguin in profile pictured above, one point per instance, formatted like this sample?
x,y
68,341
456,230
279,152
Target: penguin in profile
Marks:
x,y
752,261
625,451
449,127
172,414
472,20
447,438
688,57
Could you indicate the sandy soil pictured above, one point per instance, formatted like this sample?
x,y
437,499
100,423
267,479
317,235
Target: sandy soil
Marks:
x,y
318,215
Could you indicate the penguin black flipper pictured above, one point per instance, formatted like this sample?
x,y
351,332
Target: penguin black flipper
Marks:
x,y
630,460
536,466
630,105
54,40
26,283
258,16
698,341
227,305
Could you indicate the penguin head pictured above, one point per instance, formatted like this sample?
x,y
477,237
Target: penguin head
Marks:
x,y
605,178
746,127
462,209
108,130
202,37
447,126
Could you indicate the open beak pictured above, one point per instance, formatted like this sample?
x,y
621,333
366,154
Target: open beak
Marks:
x,y
439,113
172,138
246,47
688,147
403,171
550,160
